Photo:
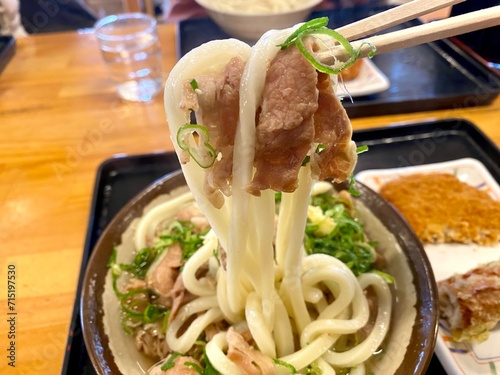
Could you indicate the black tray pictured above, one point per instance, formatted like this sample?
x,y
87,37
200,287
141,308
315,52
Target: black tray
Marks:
x,y
119,179
432,76
7,50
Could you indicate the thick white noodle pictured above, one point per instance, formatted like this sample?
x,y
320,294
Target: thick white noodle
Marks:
x,y
257,325
283,334
251,88
210,57
200,287
210,313
308,354
150,221
364,350
289,239
215,349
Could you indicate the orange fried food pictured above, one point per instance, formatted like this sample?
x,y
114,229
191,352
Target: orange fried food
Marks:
x,y
352,72
441,208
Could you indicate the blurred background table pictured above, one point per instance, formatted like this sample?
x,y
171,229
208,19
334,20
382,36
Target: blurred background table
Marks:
x,y
59,119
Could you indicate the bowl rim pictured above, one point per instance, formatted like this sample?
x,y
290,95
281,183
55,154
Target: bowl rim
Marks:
x,y
423,338
302,7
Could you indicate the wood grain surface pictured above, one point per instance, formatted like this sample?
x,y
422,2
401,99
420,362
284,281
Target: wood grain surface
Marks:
x,y
59,119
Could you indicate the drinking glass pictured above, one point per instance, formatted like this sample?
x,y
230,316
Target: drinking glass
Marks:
x,y
131,50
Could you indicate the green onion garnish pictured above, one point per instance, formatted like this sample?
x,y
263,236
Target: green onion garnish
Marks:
x,y
170,362
318,26
286,365
194,84
361,149
199,149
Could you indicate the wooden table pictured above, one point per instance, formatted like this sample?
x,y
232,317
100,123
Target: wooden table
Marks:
x,y
59,119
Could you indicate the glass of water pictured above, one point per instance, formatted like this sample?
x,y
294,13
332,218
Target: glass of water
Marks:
x,y
131,49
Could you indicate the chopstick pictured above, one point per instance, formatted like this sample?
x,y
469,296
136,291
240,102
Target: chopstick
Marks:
x,y
413,36
393,17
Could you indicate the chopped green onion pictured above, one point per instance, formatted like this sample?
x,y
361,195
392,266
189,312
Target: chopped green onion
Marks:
x,y
314,369
286,365
202,152
313,24
345,240
142,261
194,84
318,26
170,362
195,366
361,149
209,368
328,69
184,233
351,189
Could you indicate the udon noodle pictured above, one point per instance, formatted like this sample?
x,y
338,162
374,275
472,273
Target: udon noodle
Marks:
x,y
270,306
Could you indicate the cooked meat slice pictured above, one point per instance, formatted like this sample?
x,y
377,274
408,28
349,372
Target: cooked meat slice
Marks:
x,y
216,104
180,296
333,130
285,125
248,359
214,329
470,302
441,208
163,276
152,342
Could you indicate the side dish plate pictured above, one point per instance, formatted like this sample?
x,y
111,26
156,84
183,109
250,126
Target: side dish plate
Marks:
x,y
447,259
370,80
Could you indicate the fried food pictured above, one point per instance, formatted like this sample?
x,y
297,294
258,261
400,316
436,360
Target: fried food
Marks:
x,y
470,302
352,72
441,209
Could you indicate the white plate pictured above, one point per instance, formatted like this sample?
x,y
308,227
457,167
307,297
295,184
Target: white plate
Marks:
x,y
448,259
370,80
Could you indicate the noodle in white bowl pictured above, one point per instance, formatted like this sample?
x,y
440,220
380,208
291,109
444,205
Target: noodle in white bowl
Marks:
x,y
249,20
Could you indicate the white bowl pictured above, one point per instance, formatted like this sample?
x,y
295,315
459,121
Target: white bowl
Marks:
x,y
249,26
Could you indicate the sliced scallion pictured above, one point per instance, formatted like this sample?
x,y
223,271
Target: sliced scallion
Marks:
x,y
194,84
199,149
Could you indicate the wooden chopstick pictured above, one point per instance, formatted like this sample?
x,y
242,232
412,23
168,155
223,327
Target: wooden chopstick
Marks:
x,y
392,17
413,36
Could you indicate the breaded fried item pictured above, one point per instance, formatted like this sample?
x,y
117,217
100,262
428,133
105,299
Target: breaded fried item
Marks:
x,y
470,302
352,72
440,208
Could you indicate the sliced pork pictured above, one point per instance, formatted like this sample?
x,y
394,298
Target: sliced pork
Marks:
x,y
250,360
216,104
285,126
180,296
333,131
162,277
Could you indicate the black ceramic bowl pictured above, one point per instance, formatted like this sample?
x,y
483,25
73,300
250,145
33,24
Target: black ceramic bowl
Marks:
x,y
416,275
